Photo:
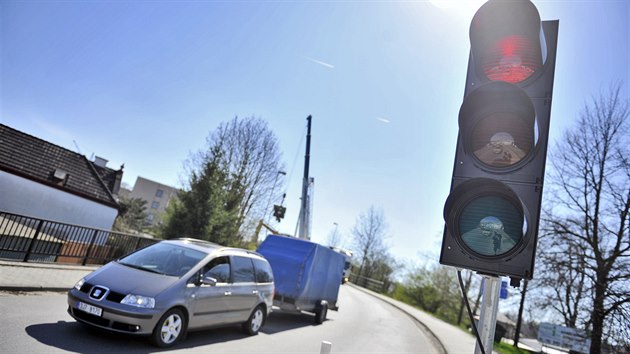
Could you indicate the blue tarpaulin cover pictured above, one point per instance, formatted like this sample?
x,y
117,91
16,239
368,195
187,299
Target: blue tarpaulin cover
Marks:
x,y
303,270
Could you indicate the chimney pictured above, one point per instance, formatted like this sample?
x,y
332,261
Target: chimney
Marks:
x,y
100,162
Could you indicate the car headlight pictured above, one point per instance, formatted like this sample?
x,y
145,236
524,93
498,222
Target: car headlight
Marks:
x,y
139,301
79,284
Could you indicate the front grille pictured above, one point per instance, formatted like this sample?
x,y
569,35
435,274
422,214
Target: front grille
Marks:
x,y
85,288
115,297
102,322
112,296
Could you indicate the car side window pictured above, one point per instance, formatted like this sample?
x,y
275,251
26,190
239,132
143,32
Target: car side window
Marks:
x,y
219,269
243,270
263,271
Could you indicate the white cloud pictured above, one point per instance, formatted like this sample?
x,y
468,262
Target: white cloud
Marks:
x,y
321,63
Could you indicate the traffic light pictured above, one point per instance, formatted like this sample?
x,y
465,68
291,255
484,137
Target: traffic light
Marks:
x,y
492,212
278,212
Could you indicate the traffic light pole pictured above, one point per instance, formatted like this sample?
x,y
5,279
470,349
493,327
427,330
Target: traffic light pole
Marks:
x,y
488,317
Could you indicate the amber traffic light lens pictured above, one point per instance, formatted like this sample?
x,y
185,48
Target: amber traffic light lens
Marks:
x,y
498,122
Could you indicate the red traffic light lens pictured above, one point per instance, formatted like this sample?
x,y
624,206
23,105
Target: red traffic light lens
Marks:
x,y
511,59
505,41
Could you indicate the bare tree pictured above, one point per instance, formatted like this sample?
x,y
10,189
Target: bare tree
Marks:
x,y
229,184
586,254
563,282
369,232
334,237
252,158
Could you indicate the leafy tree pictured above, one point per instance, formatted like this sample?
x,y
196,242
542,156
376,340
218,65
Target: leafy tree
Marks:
x,y
433,289
585,253
131,215
227,184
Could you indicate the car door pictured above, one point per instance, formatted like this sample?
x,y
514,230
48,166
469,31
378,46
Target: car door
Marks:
x,y
244,291
211,303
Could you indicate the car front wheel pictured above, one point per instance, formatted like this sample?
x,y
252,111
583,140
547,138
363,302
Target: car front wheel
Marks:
x,y
169,329
255,321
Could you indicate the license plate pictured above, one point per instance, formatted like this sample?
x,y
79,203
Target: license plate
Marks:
x,y
97,311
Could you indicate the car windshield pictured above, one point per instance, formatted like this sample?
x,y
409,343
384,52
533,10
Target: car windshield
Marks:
x,y
164,258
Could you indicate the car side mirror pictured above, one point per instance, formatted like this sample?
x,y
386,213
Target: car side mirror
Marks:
x,y
209,281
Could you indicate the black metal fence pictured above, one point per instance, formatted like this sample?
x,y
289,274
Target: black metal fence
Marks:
x,y
24,238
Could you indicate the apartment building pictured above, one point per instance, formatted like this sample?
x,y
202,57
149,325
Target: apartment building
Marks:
x,y
157,196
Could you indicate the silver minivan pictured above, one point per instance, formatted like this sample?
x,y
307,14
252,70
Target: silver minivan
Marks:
x,y
173,286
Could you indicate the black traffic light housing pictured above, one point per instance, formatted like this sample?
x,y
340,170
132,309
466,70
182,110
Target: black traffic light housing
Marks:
x,y
278,212
492,213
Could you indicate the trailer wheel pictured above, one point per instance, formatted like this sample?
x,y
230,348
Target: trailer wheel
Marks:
x,y
320,313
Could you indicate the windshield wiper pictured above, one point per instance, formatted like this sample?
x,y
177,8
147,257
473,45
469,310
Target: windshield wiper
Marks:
x,y
140,267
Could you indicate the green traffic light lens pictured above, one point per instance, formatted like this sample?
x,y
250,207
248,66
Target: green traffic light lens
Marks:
x,y
486,218
491,225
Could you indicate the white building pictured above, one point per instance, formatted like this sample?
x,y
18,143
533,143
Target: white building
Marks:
x,y
43,180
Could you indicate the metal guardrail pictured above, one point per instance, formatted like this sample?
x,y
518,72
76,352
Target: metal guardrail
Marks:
x,y
24,238
368,283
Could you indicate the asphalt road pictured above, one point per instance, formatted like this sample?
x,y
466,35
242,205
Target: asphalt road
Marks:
x,y
38,323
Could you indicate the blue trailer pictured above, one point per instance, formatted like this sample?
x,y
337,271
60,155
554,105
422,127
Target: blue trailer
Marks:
x,y
307,275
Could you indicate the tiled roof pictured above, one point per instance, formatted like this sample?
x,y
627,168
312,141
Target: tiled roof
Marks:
x,y
38,160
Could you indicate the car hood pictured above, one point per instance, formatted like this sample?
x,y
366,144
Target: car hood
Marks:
x,y
127,280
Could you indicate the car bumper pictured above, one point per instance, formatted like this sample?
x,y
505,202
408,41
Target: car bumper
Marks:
x,y
115,317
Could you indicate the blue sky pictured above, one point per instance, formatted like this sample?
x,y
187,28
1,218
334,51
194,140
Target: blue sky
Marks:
x,y
144,82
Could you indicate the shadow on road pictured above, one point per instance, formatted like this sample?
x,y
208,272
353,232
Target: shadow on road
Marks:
x,y
79,338
75,337
281,321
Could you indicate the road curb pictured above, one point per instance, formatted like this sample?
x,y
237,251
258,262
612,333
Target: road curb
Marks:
x,y
26,289
58,266
40,277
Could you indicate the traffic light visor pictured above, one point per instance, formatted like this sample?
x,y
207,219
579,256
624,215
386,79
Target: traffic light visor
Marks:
x,y
486,217
506,42
498,126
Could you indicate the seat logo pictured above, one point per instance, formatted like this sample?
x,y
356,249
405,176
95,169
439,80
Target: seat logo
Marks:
x,y
98,292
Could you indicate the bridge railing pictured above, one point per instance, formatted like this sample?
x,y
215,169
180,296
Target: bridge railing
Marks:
x,y
24,238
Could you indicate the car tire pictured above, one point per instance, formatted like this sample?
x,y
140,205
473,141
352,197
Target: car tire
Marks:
x,y
170,329
320,313
255,321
